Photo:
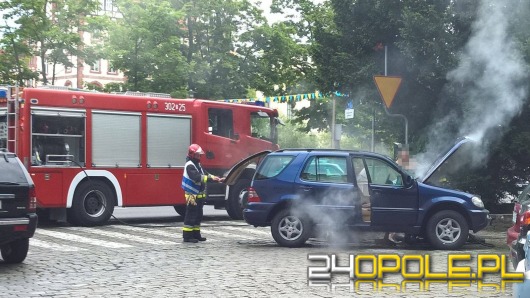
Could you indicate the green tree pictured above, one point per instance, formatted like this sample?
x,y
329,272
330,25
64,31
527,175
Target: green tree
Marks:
x,y
14,60
50,30
217,69
279,61
216,49
144,43
425,41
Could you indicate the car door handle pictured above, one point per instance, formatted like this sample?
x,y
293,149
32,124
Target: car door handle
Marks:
x,y
306,188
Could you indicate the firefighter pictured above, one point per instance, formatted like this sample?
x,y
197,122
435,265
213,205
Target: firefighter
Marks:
x,y
194,185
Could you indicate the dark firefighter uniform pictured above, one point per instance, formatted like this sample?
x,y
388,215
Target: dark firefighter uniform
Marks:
x,y
194,184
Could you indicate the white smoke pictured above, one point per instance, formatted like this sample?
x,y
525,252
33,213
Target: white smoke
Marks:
x,y
493,75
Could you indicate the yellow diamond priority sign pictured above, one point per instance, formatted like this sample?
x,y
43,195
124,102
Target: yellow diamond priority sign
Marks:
x,y
388,87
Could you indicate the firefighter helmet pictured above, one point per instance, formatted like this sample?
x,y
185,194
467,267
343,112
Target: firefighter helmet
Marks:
x,y
195,151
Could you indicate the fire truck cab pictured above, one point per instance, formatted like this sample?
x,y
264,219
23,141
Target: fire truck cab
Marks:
x,y
88,152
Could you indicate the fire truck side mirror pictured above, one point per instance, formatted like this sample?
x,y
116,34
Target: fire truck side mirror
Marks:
x,y
210,129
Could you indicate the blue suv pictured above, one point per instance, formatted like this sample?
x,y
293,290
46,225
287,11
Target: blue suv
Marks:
x,y
298,192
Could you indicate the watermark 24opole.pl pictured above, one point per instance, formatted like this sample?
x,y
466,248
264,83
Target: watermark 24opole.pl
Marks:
x,y
412,270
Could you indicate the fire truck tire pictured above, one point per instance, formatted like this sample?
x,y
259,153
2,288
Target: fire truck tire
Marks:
x,y
16,251
236,200
93,204
181,210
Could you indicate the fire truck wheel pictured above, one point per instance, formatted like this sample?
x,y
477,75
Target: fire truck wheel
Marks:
x,y
16,251
93,204
235,203
181,210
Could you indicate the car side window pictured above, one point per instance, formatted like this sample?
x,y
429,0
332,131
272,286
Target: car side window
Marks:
x,y
330,169
382,173
272,166
361,175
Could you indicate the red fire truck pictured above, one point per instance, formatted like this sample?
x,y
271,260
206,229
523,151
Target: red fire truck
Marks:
x,y
88,152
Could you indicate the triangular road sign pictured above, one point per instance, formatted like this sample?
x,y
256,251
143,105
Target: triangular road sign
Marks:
x,y
388,87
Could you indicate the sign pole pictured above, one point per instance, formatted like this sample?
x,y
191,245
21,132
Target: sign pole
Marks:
x,y
388,87
333,123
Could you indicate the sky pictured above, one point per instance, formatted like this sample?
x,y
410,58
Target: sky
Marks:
x,y
271,17
4,22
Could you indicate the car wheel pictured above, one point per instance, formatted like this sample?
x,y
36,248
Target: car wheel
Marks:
x,y
181,210
235,204
16,251
93,204
447,229
290,229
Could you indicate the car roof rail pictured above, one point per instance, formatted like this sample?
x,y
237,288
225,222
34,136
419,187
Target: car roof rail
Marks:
x,y
314,149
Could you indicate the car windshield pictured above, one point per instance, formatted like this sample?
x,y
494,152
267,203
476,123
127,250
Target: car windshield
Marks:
x,y
524,197
10,170
272,166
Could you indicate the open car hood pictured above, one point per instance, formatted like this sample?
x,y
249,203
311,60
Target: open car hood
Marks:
x,y
444,158
233,174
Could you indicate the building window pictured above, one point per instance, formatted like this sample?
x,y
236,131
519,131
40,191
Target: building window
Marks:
x,y
68,69
107,5
95,67
33,63
111,69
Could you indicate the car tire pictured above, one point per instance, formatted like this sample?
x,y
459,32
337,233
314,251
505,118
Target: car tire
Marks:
x,y
16,251
181,210
235,204
290,229
93,204
447,229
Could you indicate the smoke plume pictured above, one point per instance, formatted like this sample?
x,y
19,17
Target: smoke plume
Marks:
x,y
490,83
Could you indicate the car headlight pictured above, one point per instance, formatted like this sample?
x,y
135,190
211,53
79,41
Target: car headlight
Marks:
x,y
477,202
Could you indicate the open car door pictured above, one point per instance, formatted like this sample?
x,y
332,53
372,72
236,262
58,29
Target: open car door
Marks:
x,y
252,161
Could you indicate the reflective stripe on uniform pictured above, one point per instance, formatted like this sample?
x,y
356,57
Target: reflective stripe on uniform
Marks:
x,y
189,185
197,228
187,228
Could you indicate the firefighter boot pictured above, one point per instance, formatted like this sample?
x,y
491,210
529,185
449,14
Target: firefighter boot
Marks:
x,y
188,236
197,235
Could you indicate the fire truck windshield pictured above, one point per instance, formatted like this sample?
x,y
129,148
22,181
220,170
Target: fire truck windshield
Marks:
x,y
262,126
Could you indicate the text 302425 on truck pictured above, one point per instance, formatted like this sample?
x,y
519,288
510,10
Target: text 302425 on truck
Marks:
x,y
18,203
299,192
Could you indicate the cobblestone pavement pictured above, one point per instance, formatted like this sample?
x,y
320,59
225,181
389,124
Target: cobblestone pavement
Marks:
x,y
237,261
